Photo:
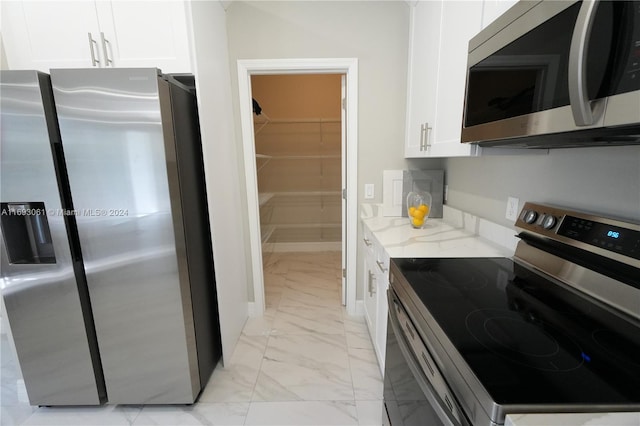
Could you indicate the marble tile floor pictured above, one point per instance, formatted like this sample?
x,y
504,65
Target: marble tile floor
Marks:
x,y
305,362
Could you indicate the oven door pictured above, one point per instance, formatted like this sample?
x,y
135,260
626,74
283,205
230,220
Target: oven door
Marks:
x,y
414,390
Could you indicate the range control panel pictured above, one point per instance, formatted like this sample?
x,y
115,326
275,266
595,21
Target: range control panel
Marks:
x,y
611,237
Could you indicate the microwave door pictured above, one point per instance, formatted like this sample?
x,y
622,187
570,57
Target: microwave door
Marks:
x,y
551,70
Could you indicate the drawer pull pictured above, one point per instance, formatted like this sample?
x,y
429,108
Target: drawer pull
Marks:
x,y
367,242
381,266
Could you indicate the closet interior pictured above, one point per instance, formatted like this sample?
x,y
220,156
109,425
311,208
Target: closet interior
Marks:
x,y
298,140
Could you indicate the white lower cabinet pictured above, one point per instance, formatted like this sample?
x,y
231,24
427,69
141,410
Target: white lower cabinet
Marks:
x,y
382,282
370,289
375,285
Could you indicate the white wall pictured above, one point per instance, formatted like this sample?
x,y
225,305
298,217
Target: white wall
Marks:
x,y
375,32
603,180
220,159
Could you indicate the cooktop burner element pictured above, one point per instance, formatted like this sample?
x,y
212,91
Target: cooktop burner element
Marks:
x,y
502,332
462,279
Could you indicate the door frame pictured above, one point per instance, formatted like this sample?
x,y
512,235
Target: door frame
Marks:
x,y
348,67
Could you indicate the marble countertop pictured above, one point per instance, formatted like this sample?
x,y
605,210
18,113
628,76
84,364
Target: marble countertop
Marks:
x,y
460,234
456,235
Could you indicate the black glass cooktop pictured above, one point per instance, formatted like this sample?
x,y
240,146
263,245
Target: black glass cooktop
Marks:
x,y
528,340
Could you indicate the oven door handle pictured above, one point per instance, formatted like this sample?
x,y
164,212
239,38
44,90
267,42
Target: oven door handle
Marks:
x,y
427,388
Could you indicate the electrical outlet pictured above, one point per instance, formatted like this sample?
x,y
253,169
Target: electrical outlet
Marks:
x,y
369,191
512,208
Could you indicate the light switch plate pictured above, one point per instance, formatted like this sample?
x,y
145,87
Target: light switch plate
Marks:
x,y
369,191
512,208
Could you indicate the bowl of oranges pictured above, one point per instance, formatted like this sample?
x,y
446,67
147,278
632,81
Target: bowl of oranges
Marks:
x,y
418,207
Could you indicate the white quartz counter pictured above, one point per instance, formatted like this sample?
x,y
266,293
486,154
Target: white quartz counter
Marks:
x,y
456,235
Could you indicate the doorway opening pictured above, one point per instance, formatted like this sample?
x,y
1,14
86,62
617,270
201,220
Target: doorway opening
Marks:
x,y
298,143
297,122
253,161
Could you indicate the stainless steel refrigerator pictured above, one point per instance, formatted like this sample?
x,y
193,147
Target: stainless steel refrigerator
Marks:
x,y
133,217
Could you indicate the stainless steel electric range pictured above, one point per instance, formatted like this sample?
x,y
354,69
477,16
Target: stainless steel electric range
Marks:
x,y
556,328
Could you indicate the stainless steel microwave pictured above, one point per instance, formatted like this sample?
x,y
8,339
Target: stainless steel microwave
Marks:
x,y
550,74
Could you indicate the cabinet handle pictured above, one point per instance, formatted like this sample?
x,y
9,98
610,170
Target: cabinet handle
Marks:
x,y
372,289
424,136
582,109
367,242
381,266
106,42
94,62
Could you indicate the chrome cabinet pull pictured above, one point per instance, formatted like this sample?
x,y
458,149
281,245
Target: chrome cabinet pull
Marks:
x,y
106,42
94,62
372,288
367,242
424,136
381,266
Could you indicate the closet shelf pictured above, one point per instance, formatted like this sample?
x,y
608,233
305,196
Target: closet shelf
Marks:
x,y
264,197
304,193
296,120
303,157
267,158
306,225
267,231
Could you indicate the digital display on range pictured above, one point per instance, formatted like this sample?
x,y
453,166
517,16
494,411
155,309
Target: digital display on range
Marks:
x,y
613,234
608,237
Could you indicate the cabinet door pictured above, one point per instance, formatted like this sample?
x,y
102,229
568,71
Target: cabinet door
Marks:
x,y
146,34
424,50
381,330
370,295
460,21
382,283
43,34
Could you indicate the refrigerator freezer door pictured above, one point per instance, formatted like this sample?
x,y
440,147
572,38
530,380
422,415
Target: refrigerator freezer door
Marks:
x,y
112,134
40,290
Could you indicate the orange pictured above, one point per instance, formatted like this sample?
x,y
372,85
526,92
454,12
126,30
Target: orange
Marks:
x,y
419,214
417,222
412,210
424,208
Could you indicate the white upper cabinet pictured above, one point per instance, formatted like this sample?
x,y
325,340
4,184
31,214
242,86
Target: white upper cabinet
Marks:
x,y
81,34
440,34
424,50
43,35
146,34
